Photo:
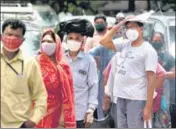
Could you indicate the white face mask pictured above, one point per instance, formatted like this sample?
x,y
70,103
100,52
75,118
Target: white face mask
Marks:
x,y
132,34
73,45
49,48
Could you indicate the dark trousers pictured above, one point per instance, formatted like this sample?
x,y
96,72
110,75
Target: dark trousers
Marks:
x,y
173,119
80,124
173,115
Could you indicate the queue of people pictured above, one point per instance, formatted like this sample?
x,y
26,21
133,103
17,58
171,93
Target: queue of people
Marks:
x,y
108,71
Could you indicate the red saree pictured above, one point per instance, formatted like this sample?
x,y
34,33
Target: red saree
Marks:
x,y
59,86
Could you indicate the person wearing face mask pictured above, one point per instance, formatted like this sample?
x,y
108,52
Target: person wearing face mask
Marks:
x,y
100,25
98,52
168,62
165,58
84,71
22,82
58,82
135,73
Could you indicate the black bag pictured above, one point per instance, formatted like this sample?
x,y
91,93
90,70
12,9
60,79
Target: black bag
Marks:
x,y
82,26
106,122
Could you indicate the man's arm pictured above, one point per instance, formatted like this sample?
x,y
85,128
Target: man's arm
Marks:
x,y
38,93
107,39
160,76
88,44
106,73
150,92
108,89
107,94
171,74
150,68
150,89
93,85
93,93
95,52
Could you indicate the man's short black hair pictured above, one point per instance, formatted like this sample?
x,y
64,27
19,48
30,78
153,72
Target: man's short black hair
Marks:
x,y
100,16
140,24
15,24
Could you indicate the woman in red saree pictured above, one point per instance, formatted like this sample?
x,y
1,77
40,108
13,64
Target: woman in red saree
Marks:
x,y
58,81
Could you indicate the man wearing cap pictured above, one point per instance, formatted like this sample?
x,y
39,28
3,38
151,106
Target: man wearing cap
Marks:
x,y
84,71
135,74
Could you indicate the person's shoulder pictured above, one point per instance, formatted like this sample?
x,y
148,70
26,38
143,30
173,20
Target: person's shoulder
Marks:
x,y
116,56
31,61
88,57
121,40
148,46
168,54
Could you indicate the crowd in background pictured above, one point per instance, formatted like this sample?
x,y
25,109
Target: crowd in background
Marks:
x,y
110,71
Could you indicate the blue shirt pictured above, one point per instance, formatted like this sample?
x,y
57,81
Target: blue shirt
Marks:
x,y
85,81
105,56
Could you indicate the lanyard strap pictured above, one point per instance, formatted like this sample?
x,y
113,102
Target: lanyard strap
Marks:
x,y
13,69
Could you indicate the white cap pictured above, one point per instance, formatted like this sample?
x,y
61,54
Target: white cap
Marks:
x,y
141,17
120,15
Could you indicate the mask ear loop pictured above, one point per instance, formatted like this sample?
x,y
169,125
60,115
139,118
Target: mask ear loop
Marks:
x,y
82,45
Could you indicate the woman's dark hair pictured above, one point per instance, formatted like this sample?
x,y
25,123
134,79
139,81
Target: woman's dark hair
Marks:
x,y
14,24
100,16
161,34
52,34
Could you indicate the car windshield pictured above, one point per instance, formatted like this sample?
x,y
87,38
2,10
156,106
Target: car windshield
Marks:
x,y
154,25
32,40
148,32
172,36
46,17
172,30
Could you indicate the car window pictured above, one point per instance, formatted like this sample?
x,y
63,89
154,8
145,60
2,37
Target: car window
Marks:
x,y
32,39
153,26
148,30
159,27
171,24
172,34
31,43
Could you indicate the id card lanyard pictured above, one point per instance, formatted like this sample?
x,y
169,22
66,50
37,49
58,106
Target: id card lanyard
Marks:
x,y
13,69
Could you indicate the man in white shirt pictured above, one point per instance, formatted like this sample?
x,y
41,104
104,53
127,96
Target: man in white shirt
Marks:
x,y
135,74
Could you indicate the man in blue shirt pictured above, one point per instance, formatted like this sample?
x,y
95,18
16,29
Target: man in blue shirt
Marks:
x,y
84,70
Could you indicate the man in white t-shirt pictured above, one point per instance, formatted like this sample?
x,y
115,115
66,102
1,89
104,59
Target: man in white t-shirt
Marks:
x,y
135,74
